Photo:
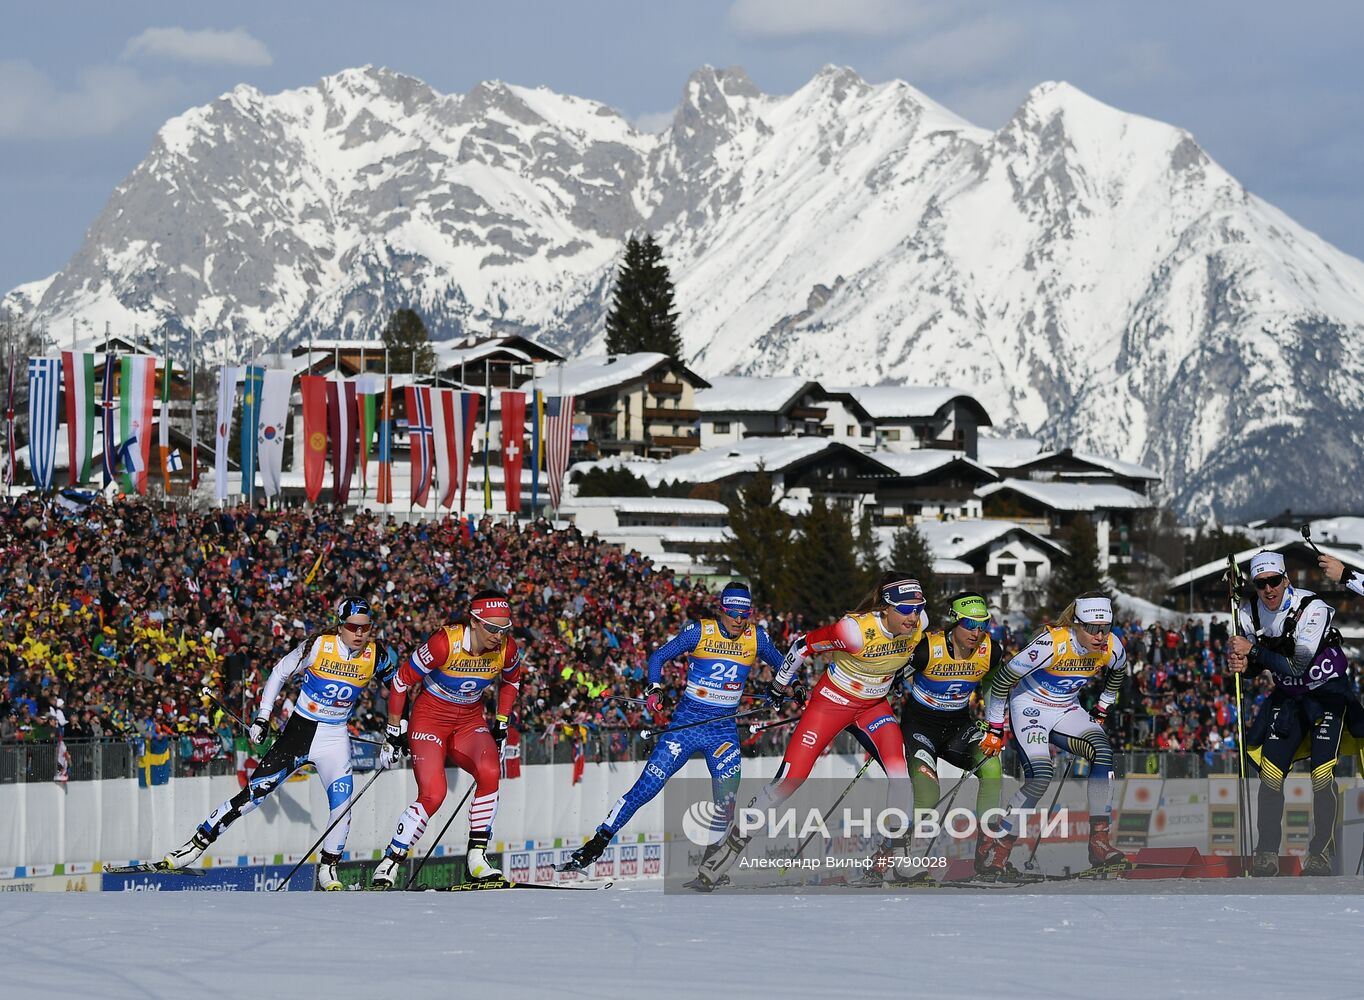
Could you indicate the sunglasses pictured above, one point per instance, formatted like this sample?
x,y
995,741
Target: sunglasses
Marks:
x,y
1096,629
1265,582
743,614
359,628
494,629
973,624
907,609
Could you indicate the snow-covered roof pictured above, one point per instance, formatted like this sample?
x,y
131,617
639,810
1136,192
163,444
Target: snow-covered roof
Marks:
x,y
959,538
1352,558
1129,469
711,464
952,567
649,505
1007,453
743,394
899,402
1071,496
450,356
925,460
602,371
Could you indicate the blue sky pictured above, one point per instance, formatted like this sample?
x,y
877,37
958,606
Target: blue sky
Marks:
x,y
1270,90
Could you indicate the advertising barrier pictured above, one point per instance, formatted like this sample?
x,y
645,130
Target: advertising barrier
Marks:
x,y
257,879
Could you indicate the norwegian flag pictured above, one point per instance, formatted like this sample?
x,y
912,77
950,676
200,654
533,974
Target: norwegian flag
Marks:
x,y
420,431
558,441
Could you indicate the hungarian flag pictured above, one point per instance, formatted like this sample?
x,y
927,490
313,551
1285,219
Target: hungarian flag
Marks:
x,y
419,432
385,445
137,391
79,370
343,430
314,391
367,390
558,443
513,447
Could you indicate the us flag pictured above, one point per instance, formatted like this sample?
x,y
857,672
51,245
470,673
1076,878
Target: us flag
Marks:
x,y
558,441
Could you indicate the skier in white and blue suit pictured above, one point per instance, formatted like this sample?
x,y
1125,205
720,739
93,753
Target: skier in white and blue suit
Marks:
x,y
720,653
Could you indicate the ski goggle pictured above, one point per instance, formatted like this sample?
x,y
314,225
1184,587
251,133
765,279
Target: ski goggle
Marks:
x,y
1265,582
908,609
359,628
494,629
743,614
1097,629
973,624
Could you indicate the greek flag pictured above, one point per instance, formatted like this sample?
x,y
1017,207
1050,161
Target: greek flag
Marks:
x,y
44,417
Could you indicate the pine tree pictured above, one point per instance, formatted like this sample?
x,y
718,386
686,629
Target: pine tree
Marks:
x,y
642,317
868,554
909,553
826,579
408,344
762,540
1078,572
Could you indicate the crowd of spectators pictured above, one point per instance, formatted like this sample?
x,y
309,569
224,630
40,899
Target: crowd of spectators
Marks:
x,y
135,620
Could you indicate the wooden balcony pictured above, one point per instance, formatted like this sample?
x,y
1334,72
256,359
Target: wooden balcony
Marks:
x,y
807,413
677,441
671,415
665,388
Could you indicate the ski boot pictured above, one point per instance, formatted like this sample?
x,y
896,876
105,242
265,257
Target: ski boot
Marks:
x,y
326,873
994,865
1318,864
1265,864
386,872
476,864
585,856
1102,853
188,852
885,869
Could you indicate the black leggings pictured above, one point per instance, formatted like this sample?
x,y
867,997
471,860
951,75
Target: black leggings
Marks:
x,y
1284,721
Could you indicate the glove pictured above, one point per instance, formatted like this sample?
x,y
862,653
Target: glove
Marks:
x,y
1099,712
500,727
657,699
259,730
993,740
778,694
395,747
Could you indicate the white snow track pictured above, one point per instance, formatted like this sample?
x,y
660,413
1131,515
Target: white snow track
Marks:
x,y
1290,938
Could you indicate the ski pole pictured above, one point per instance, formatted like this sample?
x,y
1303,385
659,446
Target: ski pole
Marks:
x,y
1070,762
866,763
949,798
1234,582
648,734
762,727
422,863
344,813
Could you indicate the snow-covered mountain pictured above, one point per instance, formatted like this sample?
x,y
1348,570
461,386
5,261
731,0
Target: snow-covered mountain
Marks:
x,y
1093,276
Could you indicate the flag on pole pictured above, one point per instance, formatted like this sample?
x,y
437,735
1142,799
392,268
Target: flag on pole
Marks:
x,y
79,370
368,388
384,494
466,417
314,391
163,423
537,446
444,439
193,421
251,390
9,427
419,432
558,442
513,447
109,445
341,429
227,399
44,418
276,388
130,458
173,462
137,391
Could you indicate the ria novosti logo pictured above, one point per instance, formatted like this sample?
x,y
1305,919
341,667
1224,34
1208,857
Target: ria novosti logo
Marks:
x,y
704,823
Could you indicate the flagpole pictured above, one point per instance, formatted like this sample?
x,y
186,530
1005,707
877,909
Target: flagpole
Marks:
x,y
487,433
193,423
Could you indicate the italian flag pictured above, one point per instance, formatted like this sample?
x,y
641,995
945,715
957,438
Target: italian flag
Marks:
x,y
79,370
